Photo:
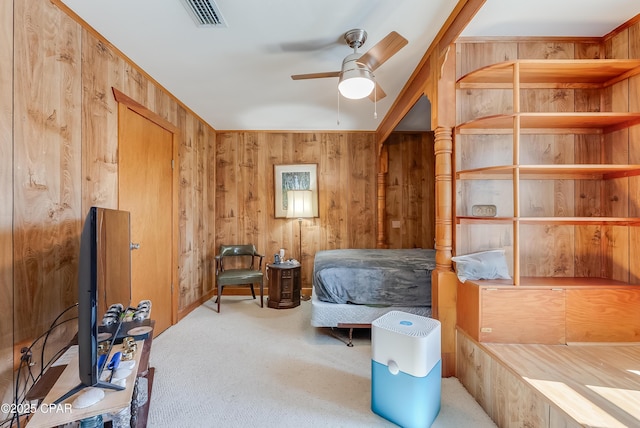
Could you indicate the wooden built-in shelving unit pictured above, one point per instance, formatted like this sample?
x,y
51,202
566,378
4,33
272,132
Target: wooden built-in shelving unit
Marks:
x,y
562,200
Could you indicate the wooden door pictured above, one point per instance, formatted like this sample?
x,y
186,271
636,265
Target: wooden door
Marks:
x,y
146,190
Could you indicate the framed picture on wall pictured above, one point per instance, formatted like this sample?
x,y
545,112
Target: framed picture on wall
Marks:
x,y
300,182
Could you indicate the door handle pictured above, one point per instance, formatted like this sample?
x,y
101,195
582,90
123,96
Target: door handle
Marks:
x,y
135,246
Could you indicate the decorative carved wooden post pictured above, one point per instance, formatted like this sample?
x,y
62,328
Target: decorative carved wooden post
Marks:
x,y
444,217
443,279
381,241
444,283
381,184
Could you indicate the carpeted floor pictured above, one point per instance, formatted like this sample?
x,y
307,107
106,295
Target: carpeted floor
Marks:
x,y
260,367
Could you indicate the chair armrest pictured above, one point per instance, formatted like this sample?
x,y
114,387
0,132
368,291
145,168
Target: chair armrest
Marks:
x,y
218,263
260,262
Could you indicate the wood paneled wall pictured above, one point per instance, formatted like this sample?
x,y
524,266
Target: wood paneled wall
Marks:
x,y
410,204
58,157
347,168
196,210
47,169
624,146
6,193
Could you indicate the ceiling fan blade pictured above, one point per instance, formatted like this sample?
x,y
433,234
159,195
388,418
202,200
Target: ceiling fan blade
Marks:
x,y
382,51
312,45
378,94
316,75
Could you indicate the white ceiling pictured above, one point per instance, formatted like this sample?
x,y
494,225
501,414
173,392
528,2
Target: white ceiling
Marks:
x,y
551,17
238,77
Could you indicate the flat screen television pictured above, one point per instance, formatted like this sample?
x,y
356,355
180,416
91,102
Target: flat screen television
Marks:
x,y
104,279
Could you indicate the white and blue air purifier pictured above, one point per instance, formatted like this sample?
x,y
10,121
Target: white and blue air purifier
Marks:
x,y
406,369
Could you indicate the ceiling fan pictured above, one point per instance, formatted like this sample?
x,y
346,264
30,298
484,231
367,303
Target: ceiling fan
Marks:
x,y
356,79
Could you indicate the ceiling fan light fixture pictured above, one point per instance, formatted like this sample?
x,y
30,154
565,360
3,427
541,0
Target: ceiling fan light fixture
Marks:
x,y
356,78
356,81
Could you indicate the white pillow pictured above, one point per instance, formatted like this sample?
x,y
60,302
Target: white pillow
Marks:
x,y
490,264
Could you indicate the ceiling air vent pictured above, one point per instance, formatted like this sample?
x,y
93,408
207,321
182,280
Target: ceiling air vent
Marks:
x,y
205,13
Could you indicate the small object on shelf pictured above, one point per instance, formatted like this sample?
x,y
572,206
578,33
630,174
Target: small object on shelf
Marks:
x,y
143,311
140,331
129,344
103,347
101,359
128,354
483,210
88,397
113,314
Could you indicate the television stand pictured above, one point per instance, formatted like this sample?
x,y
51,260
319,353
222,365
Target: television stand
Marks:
x,y
59,380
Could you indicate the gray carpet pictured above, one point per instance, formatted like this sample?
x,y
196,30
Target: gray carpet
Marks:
x,y
253,367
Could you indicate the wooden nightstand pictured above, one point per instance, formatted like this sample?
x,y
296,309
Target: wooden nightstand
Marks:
x,y
284,285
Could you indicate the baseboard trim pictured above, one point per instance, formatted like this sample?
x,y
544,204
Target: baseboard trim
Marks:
x,y
229,290
187,310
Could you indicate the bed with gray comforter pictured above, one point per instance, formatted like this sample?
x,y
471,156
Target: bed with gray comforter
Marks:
x,y
375,277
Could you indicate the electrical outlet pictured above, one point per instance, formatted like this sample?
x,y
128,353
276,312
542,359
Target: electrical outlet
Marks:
x,y
17,352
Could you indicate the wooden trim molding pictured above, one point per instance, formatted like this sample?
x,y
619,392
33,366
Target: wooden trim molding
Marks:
x,y
64,8
125,101
630,23
549,39
143,111
464,11
189,308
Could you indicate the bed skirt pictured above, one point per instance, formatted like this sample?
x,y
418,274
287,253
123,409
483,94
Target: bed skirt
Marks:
x,y
325,314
